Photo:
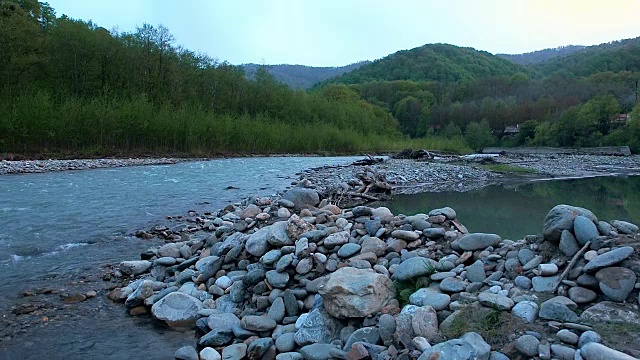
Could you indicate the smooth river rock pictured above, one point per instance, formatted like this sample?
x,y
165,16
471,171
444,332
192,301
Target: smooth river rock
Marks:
x,y
616,283
609,258
561,218
478,241
177,309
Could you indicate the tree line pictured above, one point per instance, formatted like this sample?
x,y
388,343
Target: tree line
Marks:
x,y
69,85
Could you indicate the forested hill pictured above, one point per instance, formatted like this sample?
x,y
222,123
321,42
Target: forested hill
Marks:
x,y
300,76
615,56
432,62
542,55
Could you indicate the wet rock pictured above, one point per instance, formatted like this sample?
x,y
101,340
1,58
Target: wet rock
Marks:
x,y
351,292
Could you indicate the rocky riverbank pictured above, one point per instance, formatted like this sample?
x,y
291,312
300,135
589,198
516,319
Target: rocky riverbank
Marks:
x,y
300,278
41,166
464,173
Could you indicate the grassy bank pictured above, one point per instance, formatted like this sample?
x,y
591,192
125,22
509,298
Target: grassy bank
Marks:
x,y
37,124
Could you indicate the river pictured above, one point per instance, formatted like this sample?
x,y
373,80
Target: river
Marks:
x,y
58,231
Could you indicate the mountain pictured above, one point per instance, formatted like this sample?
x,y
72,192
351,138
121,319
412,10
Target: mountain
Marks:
x,y
432,62
300,76
614,56
542,55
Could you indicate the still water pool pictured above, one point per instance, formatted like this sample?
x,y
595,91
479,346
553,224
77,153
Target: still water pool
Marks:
x,y
516,210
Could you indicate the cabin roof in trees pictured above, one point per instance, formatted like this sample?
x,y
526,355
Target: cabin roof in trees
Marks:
x,y
621,119
512,129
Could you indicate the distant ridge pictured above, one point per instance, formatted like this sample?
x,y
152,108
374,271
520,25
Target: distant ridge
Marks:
x,y
542,55
301,76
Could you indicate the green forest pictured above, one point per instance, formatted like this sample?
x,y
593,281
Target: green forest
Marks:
x,y
72,88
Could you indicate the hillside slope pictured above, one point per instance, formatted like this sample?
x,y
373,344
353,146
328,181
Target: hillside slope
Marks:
x,y
432,62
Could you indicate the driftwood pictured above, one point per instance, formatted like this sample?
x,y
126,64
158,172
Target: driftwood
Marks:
x,y
370,160
570,266
373,181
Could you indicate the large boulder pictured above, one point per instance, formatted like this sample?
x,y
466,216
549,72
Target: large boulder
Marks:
x,y
302,197
177,309
560,218
355,293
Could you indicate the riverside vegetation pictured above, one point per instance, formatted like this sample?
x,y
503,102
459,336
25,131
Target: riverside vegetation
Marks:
x,y
295,277
73,88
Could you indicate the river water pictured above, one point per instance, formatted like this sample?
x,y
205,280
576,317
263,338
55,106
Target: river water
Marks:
x,y
518,209
59,227
57,231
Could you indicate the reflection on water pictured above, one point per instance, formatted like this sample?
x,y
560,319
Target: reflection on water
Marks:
x,y
514,211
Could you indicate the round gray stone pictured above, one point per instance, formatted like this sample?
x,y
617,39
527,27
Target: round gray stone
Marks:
x,y
527,345
452,285
616,282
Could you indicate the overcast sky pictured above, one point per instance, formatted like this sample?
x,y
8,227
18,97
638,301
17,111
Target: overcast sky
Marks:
x,y
340,32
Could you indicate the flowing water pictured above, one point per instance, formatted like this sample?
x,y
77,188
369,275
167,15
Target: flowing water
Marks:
x,y
58,229
516,210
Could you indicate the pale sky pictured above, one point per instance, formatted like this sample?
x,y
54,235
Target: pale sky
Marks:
x,y
340,32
